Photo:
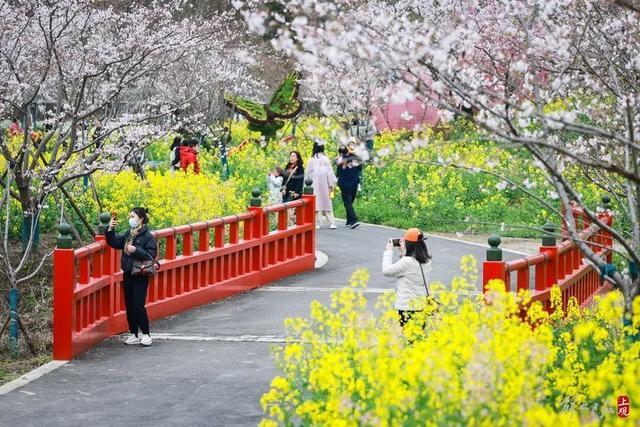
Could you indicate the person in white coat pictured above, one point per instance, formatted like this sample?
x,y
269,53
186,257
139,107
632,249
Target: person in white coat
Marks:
x,y
412,272
319,169
274,185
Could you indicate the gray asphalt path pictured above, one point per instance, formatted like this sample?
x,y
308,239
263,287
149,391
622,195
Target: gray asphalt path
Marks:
x,y
208,366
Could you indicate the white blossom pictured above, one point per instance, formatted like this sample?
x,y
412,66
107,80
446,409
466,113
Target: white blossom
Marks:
x,y
502,185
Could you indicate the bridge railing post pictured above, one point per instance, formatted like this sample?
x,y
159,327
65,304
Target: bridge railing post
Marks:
x,y
256,224
308,216
605,215
108,253
108,258
494,268
309,208
63,288
549,247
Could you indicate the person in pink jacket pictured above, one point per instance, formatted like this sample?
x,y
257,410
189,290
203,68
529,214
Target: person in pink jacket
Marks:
x,y
319,169
14,128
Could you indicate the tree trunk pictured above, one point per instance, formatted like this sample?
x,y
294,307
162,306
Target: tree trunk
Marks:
x,y
26,203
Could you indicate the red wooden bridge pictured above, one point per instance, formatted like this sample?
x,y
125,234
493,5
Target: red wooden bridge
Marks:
x,y
200,263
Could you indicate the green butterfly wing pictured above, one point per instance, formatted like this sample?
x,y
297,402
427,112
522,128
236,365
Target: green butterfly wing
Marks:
x,y
285,104
254,112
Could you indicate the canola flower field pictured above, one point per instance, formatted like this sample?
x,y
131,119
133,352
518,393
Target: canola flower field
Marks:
x,y
474,363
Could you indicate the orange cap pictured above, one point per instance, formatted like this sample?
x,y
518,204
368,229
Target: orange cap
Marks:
x,y
413,235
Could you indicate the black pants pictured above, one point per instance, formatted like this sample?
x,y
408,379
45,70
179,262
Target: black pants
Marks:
x,y
348,197
405,316
135,294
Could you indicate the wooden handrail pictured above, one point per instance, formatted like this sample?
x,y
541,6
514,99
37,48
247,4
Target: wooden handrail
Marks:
x,y
88,296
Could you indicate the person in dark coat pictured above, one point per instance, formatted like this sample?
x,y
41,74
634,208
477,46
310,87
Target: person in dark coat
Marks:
x,y
349,172
174,156
293,179
137,243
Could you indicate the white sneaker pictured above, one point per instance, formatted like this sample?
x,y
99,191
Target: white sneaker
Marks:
x,y
317,227
333,227
132,340
145,340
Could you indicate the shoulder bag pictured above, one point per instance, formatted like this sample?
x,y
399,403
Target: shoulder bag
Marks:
x,y
284,186
147,267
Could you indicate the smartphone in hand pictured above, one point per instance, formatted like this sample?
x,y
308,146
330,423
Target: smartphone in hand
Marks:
x,y
395,242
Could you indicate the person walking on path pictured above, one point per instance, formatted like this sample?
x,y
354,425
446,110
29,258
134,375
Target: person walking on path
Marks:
x,y
412,272
189,156
369,134
319,169
225,141
274,184
174,156
349,170
293,178
136,244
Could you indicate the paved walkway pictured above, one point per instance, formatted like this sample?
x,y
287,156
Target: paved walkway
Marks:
x,y
208,366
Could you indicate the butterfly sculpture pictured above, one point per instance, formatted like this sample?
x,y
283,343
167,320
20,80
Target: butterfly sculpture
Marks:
x,y
268,118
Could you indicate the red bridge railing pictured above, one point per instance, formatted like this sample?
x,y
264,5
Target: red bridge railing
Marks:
x,y
200,263
560,264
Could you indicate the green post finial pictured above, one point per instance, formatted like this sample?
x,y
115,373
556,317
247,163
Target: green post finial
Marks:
x,y
64,240
606,202
103,219
308,186
256,199
549,237
494,253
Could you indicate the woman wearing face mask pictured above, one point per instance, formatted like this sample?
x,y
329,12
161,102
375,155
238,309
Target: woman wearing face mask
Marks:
x,y
137,244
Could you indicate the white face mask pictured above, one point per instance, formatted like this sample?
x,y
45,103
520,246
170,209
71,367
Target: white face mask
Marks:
x,y
133,223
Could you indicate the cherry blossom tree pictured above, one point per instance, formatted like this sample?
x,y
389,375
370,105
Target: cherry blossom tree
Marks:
x,y
559,79
228,63
98,76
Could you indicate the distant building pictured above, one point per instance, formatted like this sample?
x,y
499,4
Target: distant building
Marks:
x,y
410,115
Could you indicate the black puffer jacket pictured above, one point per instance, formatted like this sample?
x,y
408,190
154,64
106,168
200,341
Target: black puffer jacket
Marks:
x,y
293,183
146,247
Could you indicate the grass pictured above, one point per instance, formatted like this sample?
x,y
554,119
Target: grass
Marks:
x,y
12,368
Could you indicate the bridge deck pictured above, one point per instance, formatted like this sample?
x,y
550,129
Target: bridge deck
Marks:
x,y
208,366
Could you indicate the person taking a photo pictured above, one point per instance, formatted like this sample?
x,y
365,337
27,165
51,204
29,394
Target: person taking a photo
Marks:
x,y
412,273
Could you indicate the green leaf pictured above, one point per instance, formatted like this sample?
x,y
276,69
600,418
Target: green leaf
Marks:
x,y
253,111
285,104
